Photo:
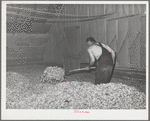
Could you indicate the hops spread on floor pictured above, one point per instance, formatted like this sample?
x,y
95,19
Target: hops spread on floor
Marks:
x,y
53,75
25,91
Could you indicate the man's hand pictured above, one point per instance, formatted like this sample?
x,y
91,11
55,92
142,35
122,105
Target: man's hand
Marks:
x,y
87,68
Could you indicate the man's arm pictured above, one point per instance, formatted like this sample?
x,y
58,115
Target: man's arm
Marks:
x,y
111,51
92,58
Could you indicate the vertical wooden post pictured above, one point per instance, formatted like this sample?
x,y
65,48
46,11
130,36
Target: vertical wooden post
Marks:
x,y
66,19
138,29
117,46
88,13
69,11
84,33
119,13
105,29
65,23
131,11
111,29
66,8
123,37
74,13
96,11
100,24
126,10
143,43
79,24
134,28
48,54
52,52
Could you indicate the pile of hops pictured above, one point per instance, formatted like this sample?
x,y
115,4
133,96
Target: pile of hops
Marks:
x,y
25,91
79,95
53,75
84,95
16,81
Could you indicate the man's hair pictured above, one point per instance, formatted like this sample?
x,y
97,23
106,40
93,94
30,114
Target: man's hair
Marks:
x,y
91,39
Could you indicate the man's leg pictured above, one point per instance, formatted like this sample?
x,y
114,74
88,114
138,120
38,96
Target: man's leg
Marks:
x,y
102,75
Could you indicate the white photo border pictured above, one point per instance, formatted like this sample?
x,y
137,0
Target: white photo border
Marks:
x,y
47,114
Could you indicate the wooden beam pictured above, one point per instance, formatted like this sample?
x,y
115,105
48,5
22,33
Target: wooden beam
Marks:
x,y
123,17
53,20
130,74
112,40
134,40
21,62
71,28
123,43
49,14
129,78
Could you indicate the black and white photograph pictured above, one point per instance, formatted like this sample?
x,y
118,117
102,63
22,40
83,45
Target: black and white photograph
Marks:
x,y
75,60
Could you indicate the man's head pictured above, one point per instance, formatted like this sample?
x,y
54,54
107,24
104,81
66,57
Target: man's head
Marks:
x,y
90,41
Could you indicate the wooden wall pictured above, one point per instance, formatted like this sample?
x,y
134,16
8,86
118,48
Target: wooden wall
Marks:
x,y
28,40
25,48
122,31
125,33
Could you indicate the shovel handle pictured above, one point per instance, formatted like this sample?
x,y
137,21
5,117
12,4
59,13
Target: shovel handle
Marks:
x,y
81,69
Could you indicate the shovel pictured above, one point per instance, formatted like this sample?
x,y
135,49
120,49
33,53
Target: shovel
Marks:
x,y
74,71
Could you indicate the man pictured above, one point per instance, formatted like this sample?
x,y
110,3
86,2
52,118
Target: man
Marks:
x,y
104,58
